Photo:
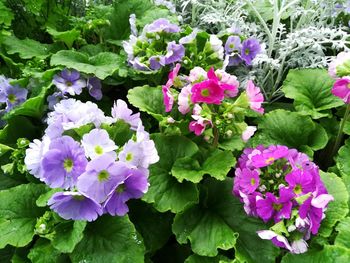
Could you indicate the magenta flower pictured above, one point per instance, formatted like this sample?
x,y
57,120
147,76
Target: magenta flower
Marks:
x,y
228,83
63,163
255,97
301,182
199,125
273,207
341,89
75,206
248,180
208,91
134,185
249,202
168,97
269,156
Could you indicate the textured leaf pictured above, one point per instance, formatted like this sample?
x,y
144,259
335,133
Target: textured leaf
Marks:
x,y
165,191
220,222
68,37
102,65
343,237
343,158
311,91
43,252
110,239
18,214
149,100
200,259
290,129
6,16
338,209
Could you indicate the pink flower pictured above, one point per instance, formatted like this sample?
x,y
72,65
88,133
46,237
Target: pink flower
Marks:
x,y
255,97
228,83
249,132
208,91
167,95
184,99
198,126
197,74
339,60
341,89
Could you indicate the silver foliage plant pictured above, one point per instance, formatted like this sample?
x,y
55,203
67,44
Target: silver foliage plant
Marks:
x,y
297,33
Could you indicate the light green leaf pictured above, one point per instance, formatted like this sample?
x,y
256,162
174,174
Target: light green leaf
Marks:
x,y
148,99
110,239
338,209
6,16
343,158
102,65
219,221
42,200
165,192
311,91
290,129
18,214
43,252
26,48
343,237
67,37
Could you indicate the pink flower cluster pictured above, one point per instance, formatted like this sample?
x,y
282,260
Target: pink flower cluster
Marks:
x,y
341,87
283,186
201,87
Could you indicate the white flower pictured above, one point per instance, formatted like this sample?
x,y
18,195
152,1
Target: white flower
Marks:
x,y
216,45
97,143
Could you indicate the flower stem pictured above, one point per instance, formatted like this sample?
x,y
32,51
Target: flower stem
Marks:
x,y
216,137
340,132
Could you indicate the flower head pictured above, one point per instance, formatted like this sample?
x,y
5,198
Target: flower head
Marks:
x,y
95,88
120,111
341,58
175,53
167,94
12,96
161,25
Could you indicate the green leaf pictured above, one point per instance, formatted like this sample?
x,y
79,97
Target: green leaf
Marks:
x,y
165,192
26,48
219,221
42,200
6,16
43,252
154,227
290,129
67,37
102,65
68,235
343,158
109,239
148,99
338,209
200,259
329,254
217,165
119,132
311,91
343,237
18,214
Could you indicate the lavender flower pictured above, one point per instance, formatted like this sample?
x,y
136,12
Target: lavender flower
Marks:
x,y
189,38
63,163
95,88
233,43
73,205
161,25
97,143
250,48
102,175
175,52
120,111
12,96
69,82
156,62
133,186
55,98
132,21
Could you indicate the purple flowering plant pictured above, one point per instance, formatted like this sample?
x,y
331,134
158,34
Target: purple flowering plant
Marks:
x,y
282,187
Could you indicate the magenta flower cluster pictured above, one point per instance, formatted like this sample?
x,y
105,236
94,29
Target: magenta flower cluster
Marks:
x,y
94,174
283,187
199,90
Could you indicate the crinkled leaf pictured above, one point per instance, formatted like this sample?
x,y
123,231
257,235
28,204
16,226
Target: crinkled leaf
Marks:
x,y
109,239
343,158
343,237
26,48
338,209
290,129
102,65
200,259
119,132
148,99
68,235
165,192
311,91
43,252
219,221
18,214
6,16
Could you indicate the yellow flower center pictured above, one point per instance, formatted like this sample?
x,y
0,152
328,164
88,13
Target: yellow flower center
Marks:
x,y
205,92
270,160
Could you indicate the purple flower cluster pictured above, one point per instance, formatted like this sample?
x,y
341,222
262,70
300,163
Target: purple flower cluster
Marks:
x,y
70,82
237,51
155,47
95,174
12,95
282,186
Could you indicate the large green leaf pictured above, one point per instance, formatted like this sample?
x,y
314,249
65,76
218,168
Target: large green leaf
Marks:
x,y
6,16
219,221
26,48
343,158
149,100
18,214
68,37
165,191
68,235
311,91
110,239
290,129
343,237
43,252
338,209
102,65
217,165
